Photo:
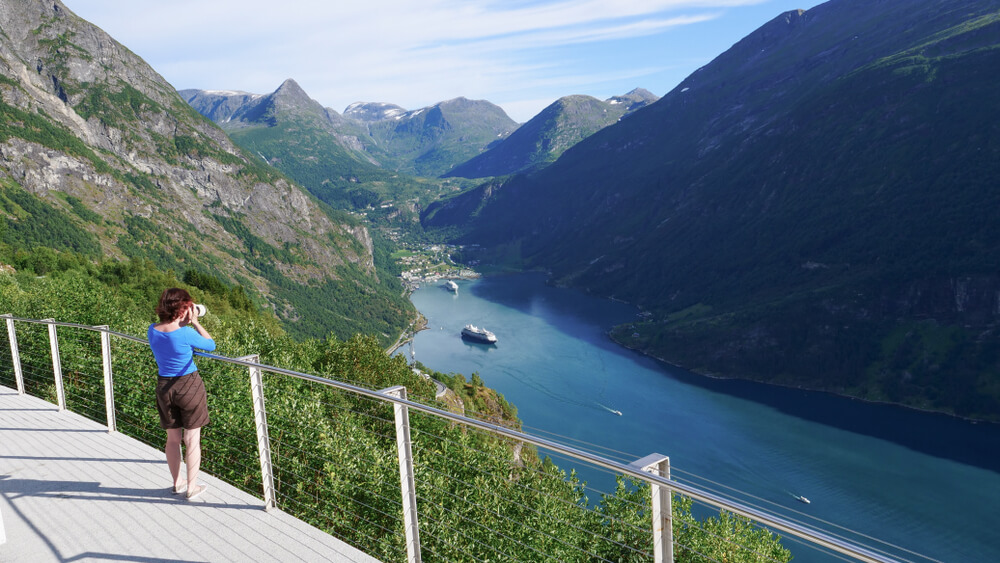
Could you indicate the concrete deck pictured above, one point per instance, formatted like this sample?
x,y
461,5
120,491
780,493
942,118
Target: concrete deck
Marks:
x,y
70,491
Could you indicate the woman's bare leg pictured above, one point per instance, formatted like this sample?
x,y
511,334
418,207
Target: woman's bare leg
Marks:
x,y
173,451
192,455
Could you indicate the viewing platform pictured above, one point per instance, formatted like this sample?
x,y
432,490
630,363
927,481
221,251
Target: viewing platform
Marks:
x,y
72,491
82,478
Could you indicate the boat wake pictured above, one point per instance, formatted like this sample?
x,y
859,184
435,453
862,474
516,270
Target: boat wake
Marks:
x,y
799,498
563,398
609,409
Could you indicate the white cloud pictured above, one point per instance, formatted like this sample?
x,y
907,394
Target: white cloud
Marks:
x,y
399,51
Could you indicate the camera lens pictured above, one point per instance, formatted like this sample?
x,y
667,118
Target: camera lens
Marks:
x,y
200,309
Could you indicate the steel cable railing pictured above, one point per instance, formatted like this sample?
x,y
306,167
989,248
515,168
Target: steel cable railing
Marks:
x,y
545,519
83,375
330,457
36,362
7,375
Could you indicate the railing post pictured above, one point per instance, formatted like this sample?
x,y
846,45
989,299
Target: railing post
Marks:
x,y
263,438
56,364
109,384
663,520
15,354
408,486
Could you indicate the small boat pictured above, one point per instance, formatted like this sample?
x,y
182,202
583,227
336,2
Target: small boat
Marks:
x,y
451,286
618,412
478,334
801,498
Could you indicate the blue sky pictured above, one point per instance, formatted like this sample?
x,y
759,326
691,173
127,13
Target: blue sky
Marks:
x,y
519,54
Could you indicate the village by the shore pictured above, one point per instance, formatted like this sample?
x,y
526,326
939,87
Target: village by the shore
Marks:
x,y
430,264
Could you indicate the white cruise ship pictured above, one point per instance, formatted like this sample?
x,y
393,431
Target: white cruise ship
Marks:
x,y
478,334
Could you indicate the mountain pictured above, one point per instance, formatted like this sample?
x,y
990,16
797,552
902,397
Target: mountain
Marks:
x,y
546,136
425,142
815,207
235,110
431,141
332,155
100,157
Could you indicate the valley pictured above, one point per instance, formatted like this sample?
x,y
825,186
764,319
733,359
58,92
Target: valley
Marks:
x,y
776,214
813,209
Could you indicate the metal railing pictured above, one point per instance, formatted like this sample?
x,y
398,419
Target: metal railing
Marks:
x,y
273,479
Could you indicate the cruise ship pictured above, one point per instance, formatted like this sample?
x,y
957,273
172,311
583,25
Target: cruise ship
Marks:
x,y
451,286
479,334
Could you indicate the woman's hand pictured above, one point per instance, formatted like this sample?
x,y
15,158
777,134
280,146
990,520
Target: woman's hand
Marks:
x,y
192,319
188,316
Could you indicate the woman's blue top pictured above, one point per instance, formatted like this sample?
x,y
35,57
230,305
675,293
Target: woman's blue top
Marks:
x,y
174,351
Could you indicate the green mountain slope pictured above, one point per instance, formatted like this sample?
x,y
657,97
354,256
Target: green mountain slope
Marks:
x,y
555,129
100,157
813,208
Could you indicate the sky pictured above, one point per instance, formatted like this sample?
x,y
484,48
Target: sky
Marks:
x,y
519,54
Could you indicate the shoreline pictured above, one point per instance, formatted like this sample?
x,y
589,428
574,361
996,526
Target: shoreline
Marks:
x,y
412,330
412,283
802,388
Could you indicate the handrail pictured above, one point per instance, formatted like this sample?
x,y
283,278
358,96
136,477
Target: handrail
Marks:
x,y
803,532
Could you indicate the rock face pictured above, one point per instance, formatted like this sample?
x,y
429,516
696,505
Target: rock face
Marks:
x,y
85,118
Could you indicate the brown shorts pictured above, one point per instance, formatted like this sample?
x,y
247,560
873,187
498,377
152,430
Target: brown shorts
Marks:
x,y
181,401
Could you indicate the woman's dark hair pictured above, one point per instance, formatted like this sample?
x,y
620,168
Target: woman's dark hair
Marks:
x,y
173,302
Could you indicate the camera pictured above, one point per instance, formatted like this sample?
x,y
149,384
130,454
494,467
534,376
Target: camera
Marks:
x,y
200,309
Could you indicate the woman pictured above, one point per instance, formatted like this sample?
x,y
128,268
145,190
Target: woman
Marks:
x,y
180,392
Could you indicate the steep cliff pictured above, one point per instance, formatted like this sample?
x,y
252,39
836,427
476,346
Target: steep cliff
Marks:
x,y
97,135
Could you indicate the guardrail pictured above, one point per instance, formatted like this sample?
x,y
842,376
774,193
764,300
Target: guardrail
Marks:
x,y
273,480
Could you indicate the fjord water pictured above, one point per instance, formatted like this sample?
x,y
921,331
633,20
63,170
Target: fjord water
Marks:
x,y
925,482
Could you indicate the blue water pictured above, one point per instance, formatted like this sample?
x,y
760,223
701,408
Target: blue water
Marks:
x,y
927,483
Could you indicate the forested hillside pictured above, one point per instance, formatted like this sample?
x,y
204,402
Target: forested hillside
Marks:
x,y
335,453
812,208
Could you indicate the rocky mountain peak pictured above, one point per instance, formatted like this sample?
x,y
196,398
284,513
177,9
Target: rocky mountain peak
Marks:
x,y
291,89
639,95
633,100
291,96
373,111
